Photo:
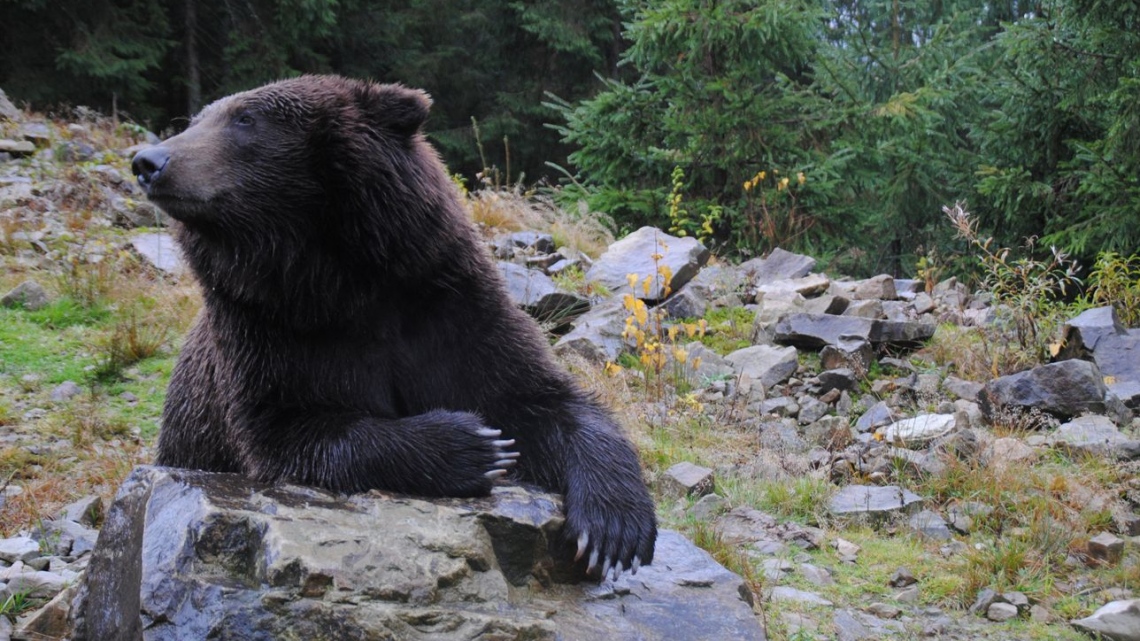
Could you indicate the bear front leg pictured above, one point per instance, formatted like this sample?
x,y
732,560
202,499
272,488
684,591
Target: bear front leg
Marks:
x,y
439,453
609,514
574,447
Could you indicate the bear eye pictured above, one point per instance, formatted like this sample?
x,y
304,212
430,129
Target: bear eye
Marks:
x,y
245,120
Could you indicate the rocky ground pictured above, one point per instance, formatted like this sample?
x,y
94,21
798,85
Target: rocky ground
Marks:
x,y
878,458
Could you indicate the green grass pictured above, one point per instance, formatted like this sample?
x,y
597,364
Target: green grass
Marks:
x,y
66,312
28,346
730,329
17,604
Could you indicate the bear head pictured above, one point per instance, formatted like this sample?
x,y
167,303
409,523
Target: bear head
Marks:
x,y
290,187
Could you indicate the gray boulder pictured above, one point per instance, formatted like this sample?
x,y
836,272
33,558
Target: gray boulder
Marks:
x,y
853,354
8,111
686,303
635,253
918,430
764,364
1097,436
814,331
962,389
717,285
596,335
20,548
930,524
878,415
923,303
193,555
29,294
531,242
872,309
902,333
686,479
1118,358
1064,389
1115,621
1098,335
161,252
872,500
771,308
881,287
806,286
17,148
1083,332
536,293
703,364
778,265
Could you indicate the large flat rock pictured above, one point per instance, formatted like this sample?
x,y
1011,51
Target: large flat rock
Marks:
x,y
643,253
194,555
814,331
872,499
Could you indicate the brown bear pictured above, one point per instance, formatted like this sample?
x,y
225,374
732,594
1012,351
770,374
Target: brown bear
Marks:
x,y
355,333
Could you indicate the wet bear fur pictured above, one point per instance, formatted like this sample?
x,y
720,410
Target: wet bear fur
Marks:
x,y
355,333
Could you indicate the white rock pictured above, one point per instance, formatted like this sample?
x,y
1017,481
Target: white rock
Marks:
x,y
919,430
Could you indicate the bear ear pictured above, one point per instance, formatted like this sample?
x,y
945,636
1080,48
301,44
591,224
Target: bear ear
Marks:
x,y
394,107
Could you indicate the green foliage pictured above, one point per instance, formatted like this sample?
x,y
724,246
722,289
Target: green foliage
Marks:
x,y
1030,292
891,107
97,51
1115,280
161,60
720,91
1060,139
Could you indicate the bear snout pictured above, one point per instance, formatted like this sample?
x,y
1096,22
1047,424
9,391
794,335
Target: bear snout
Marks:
x,y
148,165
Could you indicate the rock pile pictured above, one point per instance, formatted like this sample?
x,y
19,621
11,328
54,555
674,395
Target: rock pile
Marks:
x,y
46,564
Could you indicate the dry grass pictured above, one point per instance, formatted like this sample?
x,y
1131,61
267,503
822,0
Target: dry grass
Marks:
x,y
56,481
1042,515
504,210
976,354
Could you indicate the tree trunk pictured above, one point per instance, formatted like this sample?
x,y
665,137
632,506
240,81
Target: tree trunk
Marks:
x,y
193,74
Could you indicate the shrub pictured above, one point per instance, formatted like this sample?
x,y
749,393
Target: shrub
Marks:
x,y
1115,280
1030,293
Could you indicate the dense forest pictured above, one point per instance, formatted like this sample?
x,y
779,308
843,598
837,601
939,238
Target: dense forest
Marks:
x,y
837,127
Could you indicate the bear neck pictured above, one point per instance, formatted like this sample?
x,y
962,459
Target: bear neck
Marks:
x,y
315,288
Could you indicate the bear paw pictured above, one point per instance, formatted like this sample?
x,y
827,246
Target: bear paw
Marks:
x,y
464,455
612,534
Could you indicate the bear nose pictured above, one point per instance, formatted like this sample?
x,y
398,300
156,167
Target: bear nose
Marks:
x,y
149,163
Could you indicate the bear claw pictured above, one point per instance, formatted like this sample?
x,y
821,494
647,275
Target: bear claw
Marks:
x,y
593,561
583,541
